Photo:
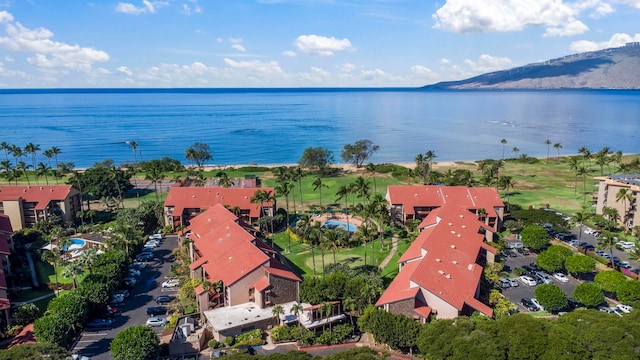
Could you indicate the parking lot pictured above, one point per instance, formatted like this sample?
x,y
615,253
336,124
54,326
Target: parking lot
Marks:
x,y
515,294
95,343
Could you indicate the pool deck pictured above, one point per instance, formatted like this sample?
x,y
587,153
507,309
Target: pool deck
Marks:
x,y
356,221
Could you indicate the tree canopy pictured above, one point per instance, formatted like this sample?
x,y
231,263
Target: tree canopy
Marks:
x,y
316,159
199,153
135,343
579,264
588,294
551,296
358,152
39,350
534,237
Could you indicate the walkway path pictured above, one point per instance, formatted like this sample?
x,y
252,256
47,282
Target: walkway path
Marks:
x,y
394,248
32,267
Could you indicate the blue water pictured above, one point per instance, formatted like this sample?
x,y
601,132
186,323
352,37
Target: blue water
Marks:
x,y
267,126
74,241
340,225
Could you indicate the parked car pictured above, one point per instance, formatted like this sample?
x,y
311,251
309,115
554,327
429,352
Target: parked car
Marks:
x,y
156,321
130,282
139,265
526,302
624,264
171,283
504,283
134,272
512,282
157,236
117,299
537,304
609,310
624,308
164,299
560,277
156,310
99,324
144,257
543,277
527,280
122,292
626,245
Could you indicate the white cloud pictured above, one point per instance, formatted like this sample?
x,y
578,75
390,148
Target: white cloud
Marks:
x,y
423,72
634,3
147,7
473,16
289,53
321,45
346,67
238,47
8,58
255,67
572,28
445,61
125,70
5,17
194,8
235,40
487,63
46,53
617,40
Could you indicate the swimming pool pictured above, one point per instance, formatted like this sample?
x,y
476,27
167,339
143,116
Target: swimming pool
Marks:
x,y
339,225
75,243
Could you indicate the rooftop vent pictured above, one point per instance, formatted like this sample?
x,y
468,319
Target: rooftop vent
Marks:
x,y
437,259
461,216
230,258
459,235
453,231
441,272
450,224
448,276
455,262
453,246
464,226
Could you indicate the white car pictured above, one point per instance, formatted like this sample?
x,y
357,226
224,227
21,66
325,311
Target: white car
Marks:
x,y
151,244
155,237
156,321
537,304
527,280
171,283
626,245
512,282
560,277
624,308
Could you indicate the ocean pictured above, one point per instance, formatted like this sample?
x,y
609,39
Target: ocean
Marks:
x,y
274,126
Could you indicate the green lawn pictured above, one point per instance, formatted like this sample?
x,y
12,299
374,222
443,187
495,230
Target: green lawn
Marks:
x,y
46,275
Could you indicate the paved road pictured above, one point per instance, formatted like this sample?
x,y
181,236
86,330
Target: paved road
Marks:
x,y
95,344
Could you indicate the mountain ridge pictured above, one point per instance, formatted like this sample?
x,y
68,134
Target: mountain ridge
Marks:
x,y
612,68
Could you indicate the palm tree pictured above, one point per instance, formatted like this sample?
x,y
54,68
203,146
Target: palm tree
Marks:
x,y
32,149
283,188
579,218
607,242
52,259
332,238
155,175
586,154
421,167
43,169
316,233
557,146
88,258
16,151
73,270
260,197
55,151
224,180
22,166
276,311
516,151
296,309
504,144
5,146
523,159
304,226
296,175
134,146
318,185
364,234
343,194
429,157
610,213
361,188
506,182
625,195
372,168
574,165
326,309
548,143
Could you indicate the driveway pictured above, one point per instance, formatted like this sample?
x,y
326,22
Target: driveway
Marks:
x,y
95,344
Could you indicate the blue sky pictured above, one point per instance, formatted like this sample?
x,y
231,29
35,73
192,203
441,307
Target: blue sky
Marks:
x,y
294,43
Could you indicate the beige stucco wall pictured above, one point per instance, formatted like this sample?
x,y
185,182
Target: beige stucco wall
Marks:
x,y
443,309
239,291
607,192
13,209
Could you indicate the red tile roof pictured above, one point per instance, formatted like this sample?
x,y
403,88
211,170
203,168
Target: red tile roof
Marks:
x,y
229,252
261,284
205,197
411,196
444,260
200,289
42,195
